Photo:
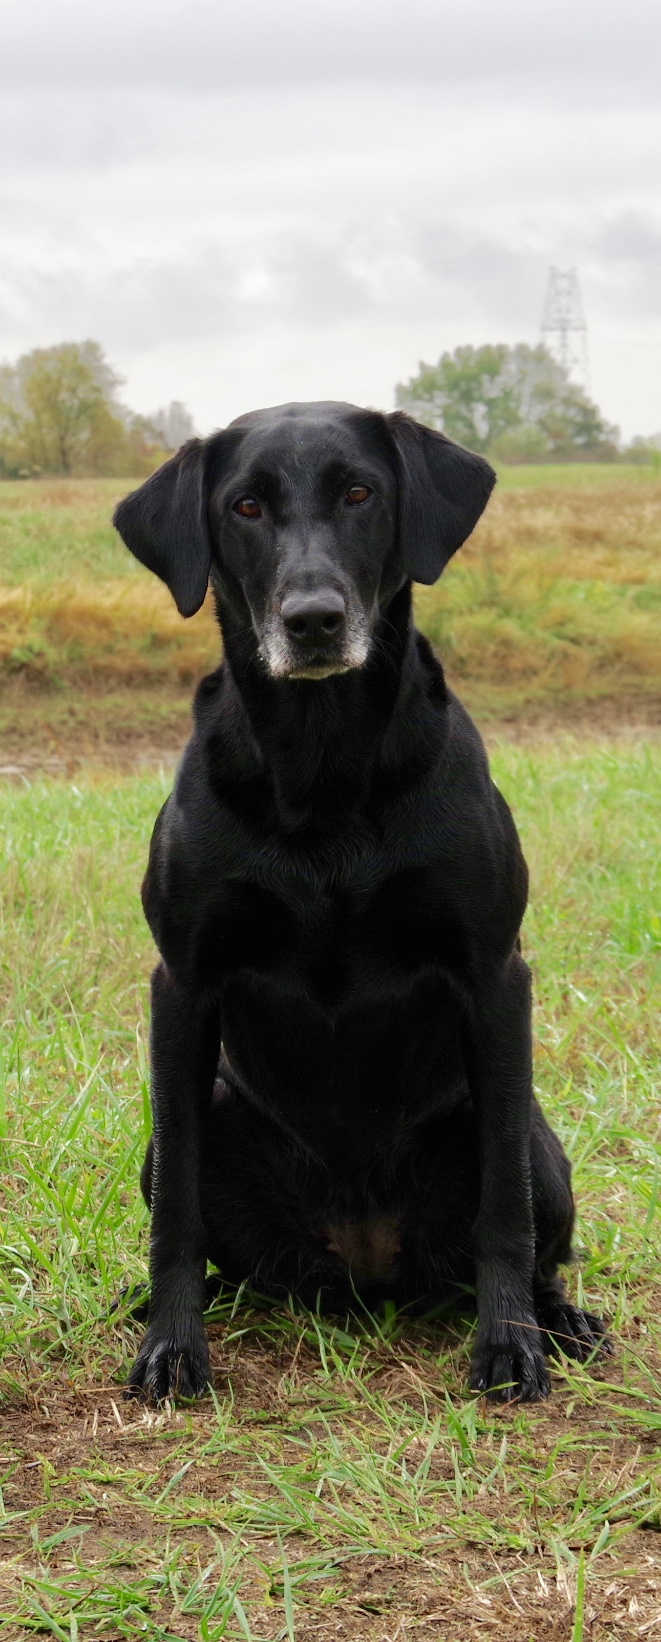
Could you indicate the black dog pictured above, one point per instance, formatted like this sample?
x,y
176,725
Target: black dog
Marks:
x,y
336,889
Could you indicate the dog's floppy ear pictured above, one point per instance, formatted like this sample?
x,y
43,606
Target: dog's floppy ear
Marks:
x,y
164,523
443,489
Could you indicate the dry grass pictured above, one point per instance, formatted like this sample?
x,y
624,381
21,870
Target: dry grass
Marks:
x,y
111,631
556,596
555,600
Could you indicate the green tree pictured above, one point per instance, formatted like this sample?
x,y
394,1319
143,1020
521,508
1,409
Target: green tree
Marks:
x,y
59,413
513,402
62,412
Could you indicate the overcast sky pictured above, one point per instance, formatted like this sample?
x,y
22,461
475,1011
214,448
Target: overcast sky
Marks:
x,y
292,199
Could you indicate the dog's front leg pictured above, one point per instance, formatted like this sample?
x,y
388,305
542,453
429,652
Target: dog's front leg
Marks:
x,y
508,1351
185,1044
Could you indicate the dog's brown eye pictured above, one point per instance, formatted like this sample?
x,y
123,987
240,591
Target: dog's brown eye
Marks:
x,y
358,493
248,508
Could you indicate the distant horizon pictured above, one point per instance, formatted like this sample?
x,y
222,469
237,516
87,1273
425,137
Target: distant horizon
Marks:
x,y
176,409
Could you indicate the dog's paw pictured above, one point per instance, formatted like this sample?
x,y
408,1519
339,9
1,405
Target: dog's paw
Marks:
x,y
509,1364
171,1363
569,1332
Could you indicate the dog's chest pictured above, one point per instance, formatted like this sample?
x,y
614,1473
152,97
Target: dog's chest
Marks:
x,y
340,1003
363,938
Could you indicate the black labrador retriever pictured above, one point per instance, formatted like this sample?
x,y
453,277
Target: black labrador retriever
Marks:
x,y
341,1038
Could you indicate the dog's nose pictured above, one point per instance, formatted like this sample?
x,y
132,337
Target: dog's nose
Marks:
x,y
314,618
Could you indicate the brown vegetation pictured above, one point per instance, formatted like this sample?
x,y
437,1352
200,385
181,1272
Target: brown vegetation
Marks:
x,y
553,603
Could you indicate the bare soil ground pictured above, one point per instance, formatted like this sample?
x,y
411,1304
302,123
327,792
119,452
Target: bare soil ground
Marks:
x,y
59,732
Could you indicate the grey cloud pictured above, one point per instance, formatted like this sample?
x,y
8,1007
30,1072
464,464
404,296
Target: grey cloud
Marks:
x,y
53,126
624,256
503,278
146,303
351,306
262,278
315,282
205,44
134,308
281,188
287,281
632,237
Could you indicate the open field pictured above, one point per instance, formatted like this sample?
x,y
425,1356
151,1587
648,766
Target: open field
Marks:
x,y
553,606
342,1482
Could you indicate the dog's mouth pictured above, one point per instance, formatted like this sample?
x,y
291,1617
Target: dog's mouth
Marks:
x,y
317,668
306,667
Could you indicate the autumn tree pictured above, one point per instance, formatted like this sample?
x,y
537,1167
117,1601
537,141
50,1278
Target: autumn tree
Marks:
x,y
59,413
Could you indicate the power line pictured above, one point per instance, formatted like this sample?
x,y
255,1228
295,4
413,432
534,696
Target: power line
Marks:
x,y
564,330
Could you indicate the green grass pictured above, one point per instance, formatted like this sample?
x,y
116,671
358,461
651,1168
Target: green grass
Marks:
x,y
60,529
342,1476
569,475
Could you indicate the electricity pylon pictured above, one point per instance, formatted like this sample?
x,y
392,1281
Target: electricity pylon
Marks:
x,y
564,331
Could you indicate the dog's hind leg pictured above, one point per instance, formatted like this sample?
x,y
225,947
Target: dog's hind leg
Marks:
x,y
566,1329
262,1202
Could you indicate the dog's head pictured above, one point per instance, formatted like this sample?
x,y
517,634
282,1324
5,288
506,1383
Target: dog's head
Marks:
x,y
308,518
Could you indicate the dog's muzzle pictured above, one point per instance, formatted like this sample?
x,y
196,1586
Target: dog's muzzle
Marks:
x,y
314,635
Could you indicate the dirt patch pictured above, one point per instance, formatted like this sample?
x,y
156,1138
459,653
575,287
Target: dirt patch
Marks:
x,y
60,732
97,1484
616,720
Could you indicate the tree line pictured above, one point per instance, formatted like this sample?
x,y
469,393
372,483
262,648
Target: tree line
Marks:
x,y
60,412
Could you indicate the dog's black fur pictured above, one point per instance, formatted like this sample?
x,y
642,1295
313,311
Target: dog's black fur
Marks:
x,y
336,889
